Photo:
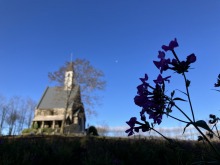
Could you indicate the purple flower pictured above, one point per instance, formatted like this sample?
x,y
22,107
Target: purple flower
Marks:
x,y
131,123
140,100
151,99
161,55
144,79
171,46
183,66
157,117
143,117
160,79
153,103
191,58
145,129
136,129
130,131
163,63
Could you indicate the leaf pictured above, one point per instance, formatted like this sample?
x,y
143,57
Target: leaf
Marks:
x,y
204,125
187,125
178,98
187,83
199,123
182,92
172,93
168,110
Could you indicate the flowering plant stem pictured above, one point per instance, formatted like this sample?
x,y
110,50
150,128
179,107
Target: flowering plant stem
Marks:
x,y
176,118
169,140
187,89
191,108
155,103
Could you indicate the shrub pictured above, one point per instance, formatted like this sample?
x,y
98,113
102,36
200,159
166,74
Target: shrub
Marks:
x,y
47,130
29,130
92,131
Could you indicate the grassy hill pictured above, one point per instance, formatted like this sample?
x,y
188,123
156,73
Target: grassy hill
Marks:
x,y
66,150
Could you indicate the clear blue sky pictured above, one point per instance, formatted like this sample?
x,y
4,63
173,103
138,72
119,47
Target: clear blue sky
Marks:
x,y
120,37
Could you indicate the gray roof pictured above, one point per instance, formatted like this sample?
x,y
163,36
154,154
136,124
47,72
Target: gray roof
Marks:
x,y
55,97
69,66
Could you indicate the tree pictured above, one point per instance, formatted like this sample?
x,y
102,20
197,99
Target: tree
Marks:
x,y
3,112
13,114
30,107
89,78
25,111
21,110
103,129
92,131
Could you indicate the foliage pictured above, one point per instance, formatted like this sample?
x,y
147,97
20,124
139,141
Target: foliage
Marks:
x,y
89,78
29,130
92,131
48,130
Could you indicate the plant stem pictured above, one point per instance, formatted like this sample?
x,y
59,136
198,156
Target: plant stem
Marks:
x,y
176,118
217,130
193,123
174,53
187,89
161,134
183,113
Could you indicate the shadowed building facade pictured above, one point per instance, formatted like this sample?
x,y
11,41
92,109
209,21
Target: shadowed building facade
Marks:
x,y
61,106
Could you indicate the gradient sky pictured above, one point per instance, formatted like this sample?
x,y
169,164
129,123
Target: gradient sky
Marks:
x,y
119,37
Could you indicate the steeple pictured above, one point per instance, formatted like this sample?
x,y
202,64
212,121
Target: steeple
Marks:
x,y
69,81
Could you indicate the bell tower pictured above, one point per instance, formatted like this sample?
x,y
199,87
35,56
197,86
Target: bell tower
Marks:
x,y
69,77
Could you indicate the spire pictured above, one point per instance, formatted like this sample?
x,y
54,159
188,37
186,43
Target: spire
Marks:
x,y
69,67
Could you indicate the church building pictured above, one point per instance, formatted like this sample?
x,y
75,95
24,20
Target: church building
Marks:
x,y
61,108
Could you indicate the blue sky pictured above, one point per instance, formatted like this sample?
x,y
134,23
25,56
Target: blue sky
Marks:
x,y
120,37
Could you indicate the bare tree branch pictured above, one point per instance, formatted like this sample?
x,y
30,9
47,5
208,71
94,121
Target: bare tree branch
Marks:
x,y
87,77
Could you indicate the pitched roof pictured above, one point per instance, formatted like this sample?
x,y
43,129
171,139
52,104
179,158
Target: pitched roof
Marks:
x,y
55,97
69,67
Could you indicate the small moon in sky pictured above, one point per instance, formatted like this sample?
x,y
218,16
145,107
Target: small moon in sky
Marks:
x,y
116,61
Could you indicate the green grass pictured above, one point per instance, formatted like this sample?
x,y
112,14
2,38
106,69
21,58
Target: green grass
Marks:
x,y
59,150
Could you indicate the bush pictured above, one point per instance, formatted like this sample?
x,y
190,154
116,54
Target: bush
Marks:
x,y
47,130
29,130
92,131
